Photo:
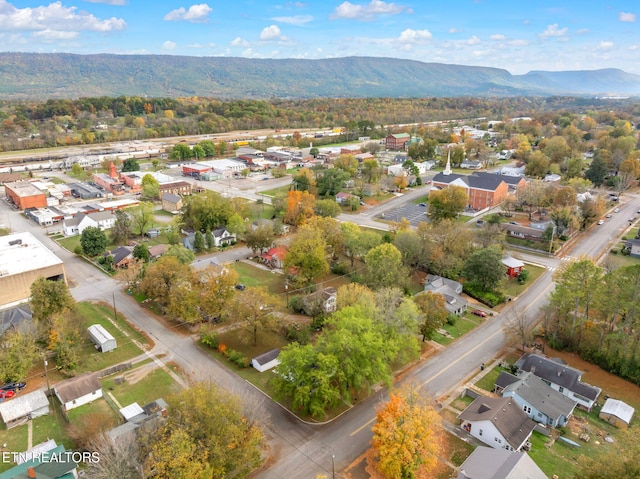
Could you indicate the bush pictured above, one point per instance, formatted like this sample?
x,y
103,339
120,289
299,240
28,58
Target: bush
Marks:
x,y
339,268
452,319
614,251
296,304
78,250
209,339
298,333
490,298
523,276
237,358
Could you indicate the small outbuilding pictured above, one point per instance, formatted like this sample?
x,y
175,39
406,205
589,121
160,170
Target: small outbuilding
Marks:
x,y
266,361
24,408
514,266
617,413
102,338
78,391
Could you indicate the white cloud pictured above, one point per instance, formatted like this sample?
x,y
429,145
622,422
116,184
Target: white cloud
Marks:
x,y
554,31
368,11
633,47
413,37
497,36
627,17
473,40
55,35
453,30
239,42
272,32
108,2
195,14
518,43
169,45
54,17
480,53
295,20
605,46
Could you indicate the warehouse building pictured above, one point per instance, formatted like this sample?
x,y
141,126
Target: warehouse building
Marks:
x,y
24,195
23,259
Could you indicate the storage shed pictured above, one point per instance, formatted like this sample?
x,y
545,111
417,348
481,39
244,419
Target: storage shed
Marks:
x,y
266,361
617,413
102,338
24,408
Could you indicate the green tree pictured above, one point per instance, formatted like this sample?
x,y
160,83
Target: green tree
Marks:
x,y
328,208
255,310
332,181
307,256
484,268
198,242
161,276
142,217
121,228
260,238
130,164
447,203
141,252
181,151
181,253
236,225
597,170
208,435
150,187
18,353
49,298
384,267
208,210
77,170
93,241
433,308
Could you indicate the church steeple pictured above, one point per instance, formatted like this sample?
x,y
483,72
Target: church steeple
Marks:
x,y
447,169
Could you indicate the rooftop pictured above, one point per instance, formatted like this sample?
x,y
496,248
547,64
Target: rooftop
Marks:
x,y
23,188
21,252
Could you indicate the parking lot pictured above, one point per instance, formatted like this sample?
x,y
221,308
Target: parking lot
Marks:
x,y
412,212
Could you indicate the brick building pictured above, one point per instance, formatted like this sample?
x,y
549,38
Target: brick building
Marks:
x,y
24,195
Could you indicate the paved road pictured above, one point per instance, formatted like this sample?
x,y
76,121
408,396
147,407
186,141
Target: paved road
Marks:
x,y
301,450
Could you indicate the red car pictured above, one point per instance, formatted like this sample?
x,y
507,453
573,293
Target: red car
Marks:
x,y
479,312
6,394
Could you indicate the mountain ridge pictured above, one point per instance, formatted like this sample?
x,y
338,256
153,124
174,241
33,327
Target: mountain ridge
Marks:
x,y
67,75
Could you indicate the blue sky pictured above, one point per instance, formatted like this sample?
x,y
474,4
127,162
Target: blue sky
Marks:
x,y
515,35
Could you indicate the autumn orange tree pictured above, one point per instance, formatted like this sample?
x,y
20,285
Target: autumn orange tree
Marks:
x,y
406,437
299,207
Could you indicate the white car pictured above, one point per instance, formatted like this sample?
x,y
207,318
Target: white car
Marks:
x,y
601,222
617,210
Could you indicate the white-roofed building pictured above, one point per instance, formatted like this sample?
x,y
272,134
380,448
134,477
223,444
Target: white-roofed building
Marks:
x,y
617,413
103,340
24,408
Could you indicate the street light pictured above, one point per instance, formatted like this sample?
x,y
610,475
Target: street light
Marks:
x,y
333,466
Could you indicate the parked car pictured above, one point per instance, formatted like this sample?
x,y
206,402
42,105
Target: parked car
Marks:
x,y
6,394
240,287
601,222
617,210
608,215
15,387
422,204
479,312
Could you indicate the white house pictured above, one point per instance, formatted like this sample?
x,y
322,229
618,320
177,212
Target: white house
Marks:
x,y
76,225
498,422
78,391
266,361
21,409
101,338
396,170
222,237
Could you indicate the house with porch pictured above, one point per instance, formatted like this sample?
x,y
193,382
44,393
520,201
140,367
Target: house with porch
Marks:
x,y
561,377
498,422
451,291
222,237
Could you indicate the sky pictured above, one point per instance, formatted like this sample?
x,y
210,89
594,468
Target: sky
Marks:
x,y
515,35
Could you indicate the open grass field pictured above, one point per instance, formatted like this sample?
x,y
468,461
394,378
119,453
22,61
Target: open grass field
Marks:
x,y
252,276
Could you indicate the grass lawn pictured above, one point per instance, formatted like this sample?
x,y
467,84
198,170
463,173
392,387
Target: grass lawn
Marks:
x,y
157,384
462,403
15,440
463,325
422,199
252,276
70,242
514,289
489,379
282,190
92,360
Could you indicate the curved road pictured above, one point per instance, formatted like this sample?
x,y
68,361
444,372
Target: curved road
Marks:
x,y
300,450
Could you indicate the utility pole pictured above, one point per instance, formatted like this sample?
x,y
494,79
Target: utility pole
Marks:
x,y
115,312
333,466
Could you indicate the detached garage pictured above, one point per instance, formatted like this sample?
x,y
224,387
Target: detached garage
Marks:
x,y
617,413
102,338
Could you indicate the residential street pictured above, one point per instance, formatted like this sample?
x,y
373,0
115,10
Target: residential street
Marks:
x,y
301,450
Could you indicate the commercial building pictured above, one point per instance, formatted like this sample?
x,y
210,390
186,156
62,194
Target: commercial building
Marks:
x,y
23,259
24,195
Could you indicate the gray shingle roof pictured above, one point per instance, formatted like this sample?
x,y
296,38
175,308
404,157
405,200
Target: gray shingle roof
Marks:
x,y
505,414
77,387
540,395
490,463
477,181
